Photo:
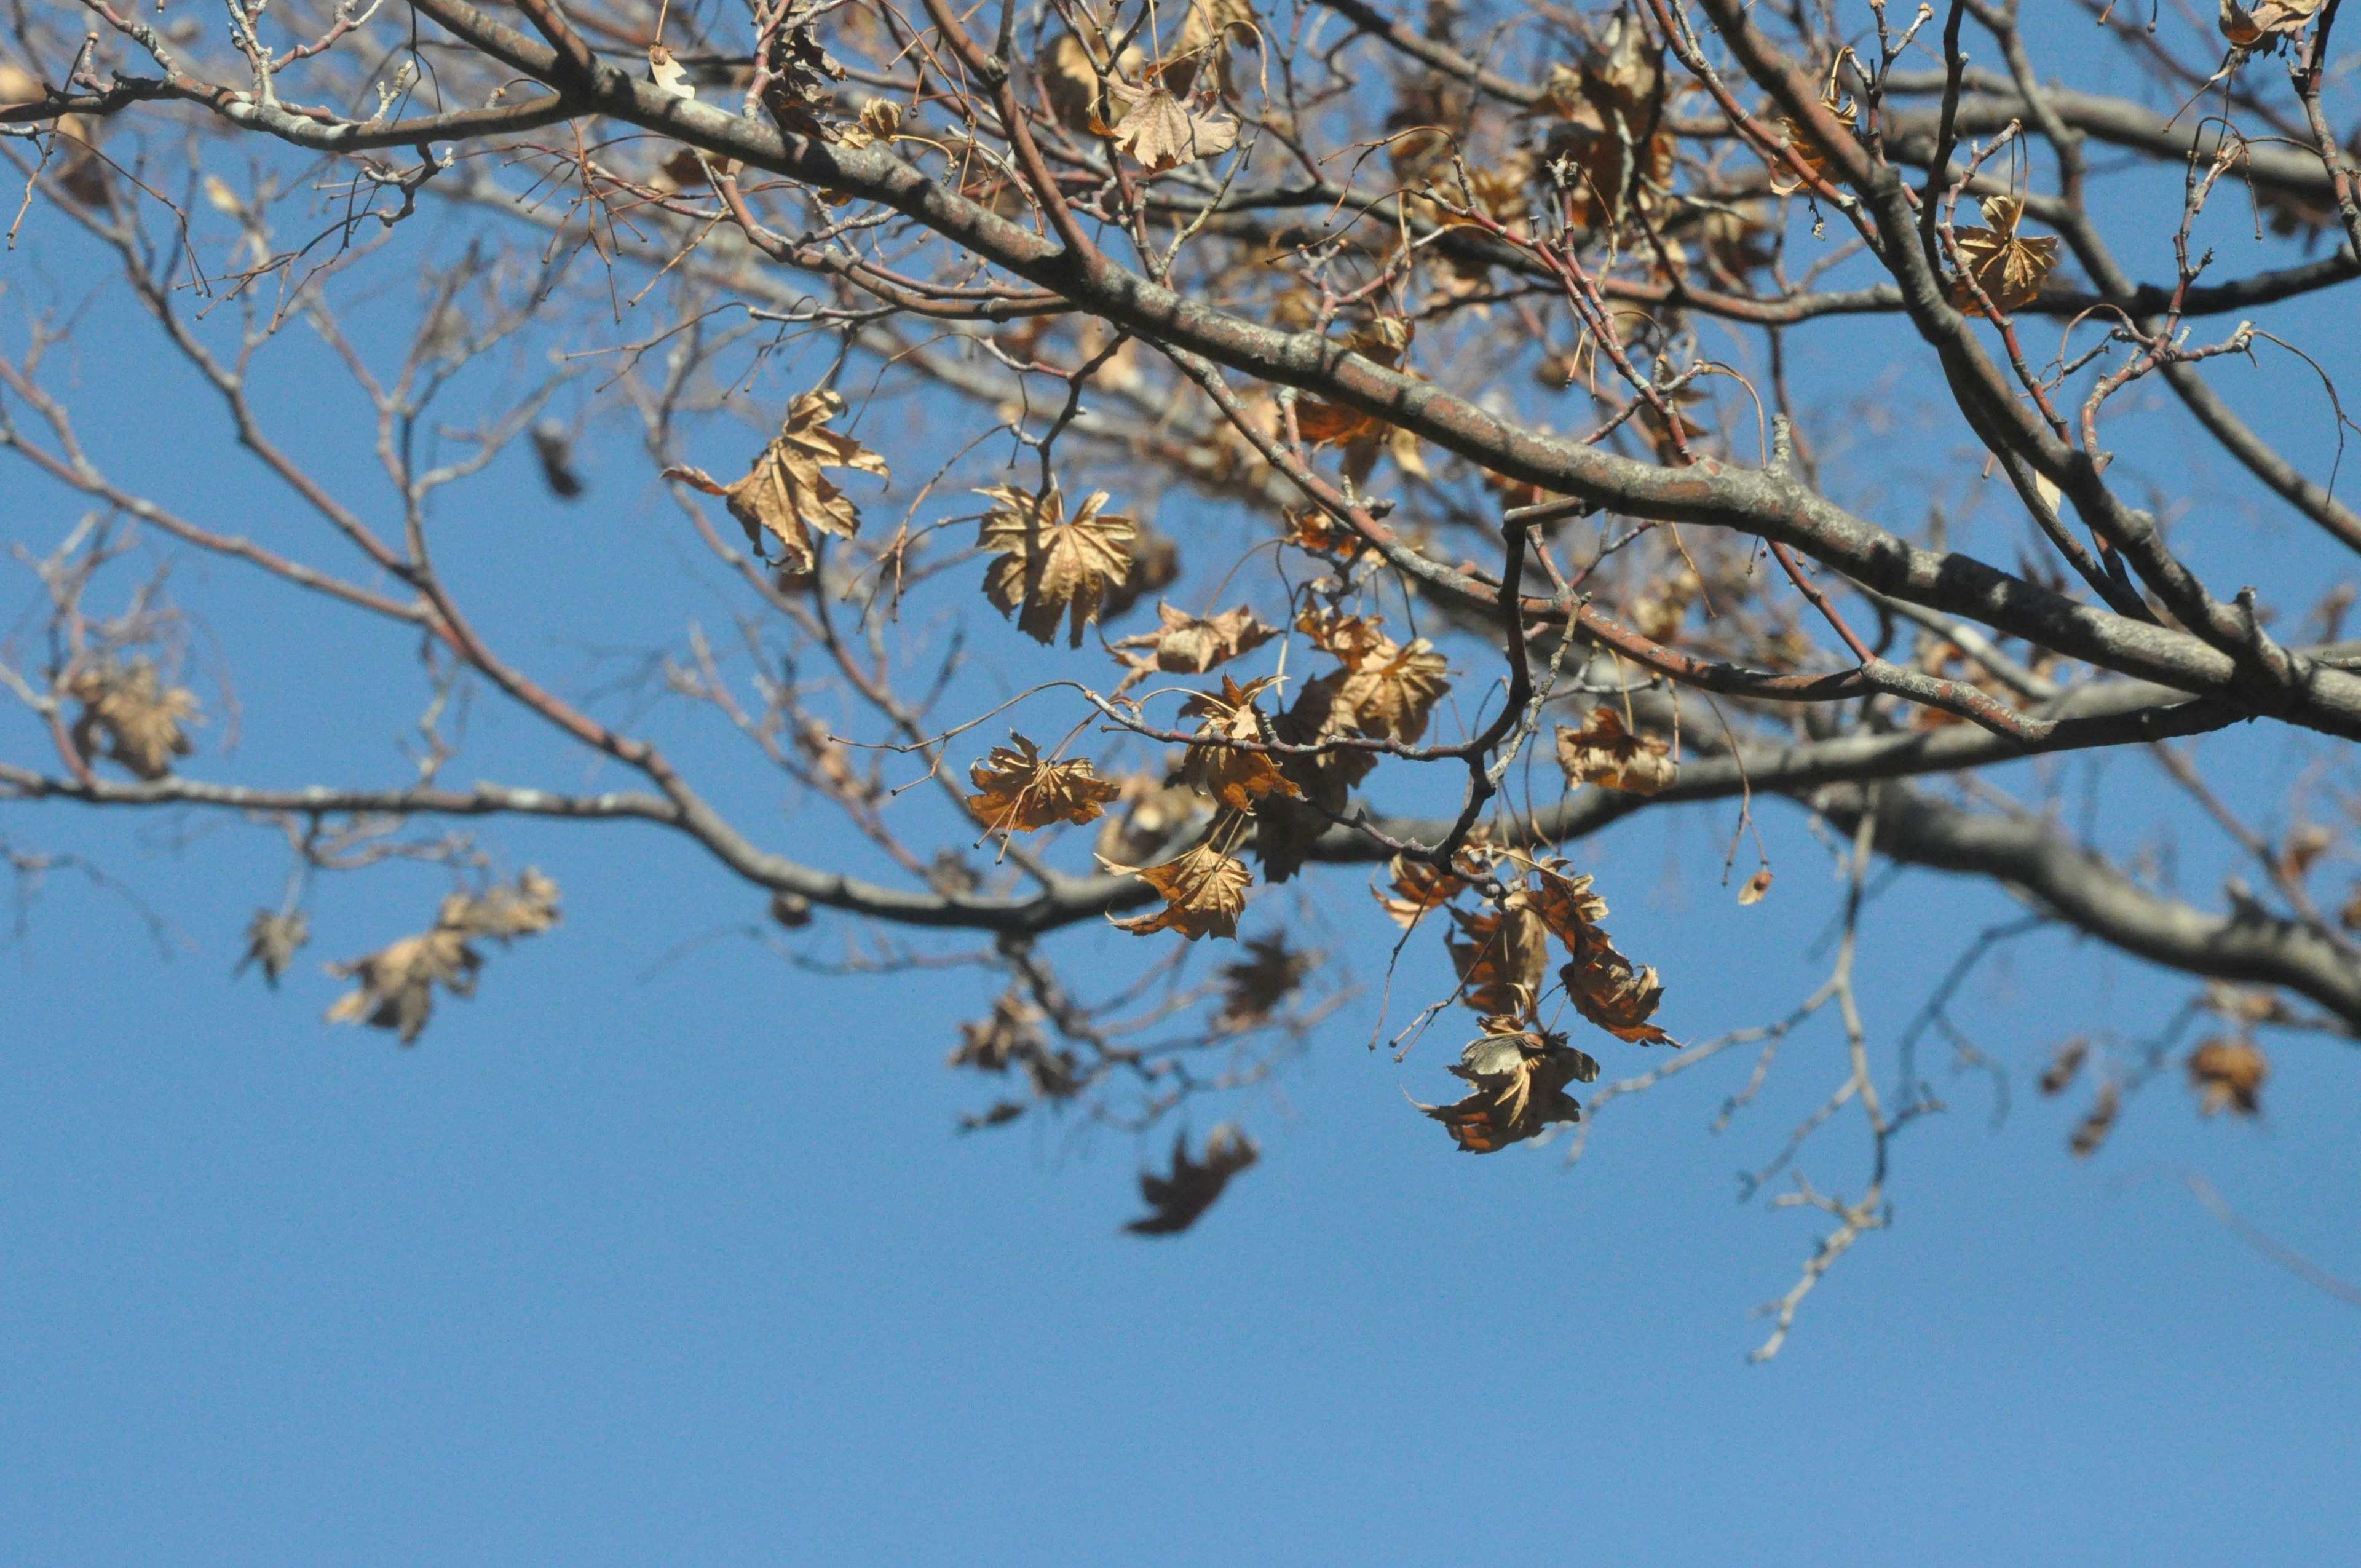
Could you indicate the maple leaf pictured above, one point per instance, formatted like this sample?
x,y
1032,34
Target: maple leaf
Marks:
x,y
2271,20
1502,963
785,496
1519,1077
1240,780
1568,907
397,982
1177,1200
2228,1072
1204,890
2008,267
1160,132
1022,793
1187,644
1392,690
1807,146
1604,752
273,940
140,719
1013,1032
1611,993
1052,564
1251,989
1352,638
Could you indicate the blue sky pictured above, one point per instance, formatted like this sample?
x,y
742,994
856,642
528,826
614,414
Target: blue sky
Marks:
x,y
647,1254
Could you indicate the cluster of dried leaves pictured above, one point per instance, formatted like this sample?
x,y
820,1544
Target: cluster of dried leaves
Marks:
x,y
396,989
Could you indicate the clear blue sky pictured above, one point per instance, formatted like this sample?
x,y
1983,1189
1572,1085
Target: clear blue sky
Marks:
x,y
638,1261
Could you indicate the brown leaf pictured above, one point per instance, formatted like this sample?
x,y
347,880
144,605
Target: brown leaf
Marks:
x,y
1161,132
1021,792
1503,961
2007,266
1251,989
785,496
1240,780
1568,907
2270,20
1013,1032
134,714
2228,1072
1052,564
273,940
1611,993
1604,752
1756,886
1187,644
1419,887
1177,1200
1205,891
526,909
2093,1129
1519,1077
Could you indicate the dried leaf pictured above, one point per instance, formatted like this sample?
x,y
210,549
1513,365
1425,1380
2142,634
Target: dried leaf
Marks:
x,y
1013,1032
2006,266
669,76
138,717
1205,891
785,496
1505,958
1756,886
2271,20
2065,1065
397,983
1240,780
1161,132
1519,1077
1187,644
273,940
1052,564
1252,988
2228,1072
1609,991
1391,691
1177,1200
2093,1128
1021,792
1604,752
506,913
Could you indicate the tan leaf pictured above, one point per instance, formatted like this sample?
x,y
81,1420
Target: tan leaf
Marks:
x,y
1186,644
139,719
2008,267
1418,888
527,909
1239,779
1176,1201
1013,1032
1568,907
670,76
785,496
2228,1072
397,983
2271,19
1756,886
1519,1077
1352,638
1205,891
1604,752
1503,961
1808,149
1160,132
1053,565
1391,691
1021,792
1611,993
273,940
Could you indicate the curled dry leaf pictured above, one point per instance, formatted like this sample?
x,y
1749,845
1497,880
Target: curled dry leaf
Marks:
x,y
2267,23
2009,268
1606,753
1177,1202
2227,1071
1013,1032
1505,957
1519,1077
1388,690
140,721
787,497
1611,993
1020,792
1159,131
670,76
1187,644
1053,565
1756,886
1807,146
397,983
1253,988
273,940
1204,890
1239,780
1419,887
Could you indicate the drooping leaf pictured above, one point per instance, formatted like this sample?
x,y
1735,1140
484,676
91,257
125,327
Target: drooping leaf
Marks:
x,y
1185,644
1253,988
1611,993
2266,23
2228,1072
787,497
1159,131
1177,1200
273,940
130,717
1239,779
1052,566
2007,266
1606,753
1020,792
1504,958
1011,1034
1519,1077
1204,890
397,982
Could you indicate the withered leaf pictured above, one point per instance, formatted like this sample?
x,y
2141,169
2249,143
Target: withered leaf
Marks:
x,y
1021,792
2007,266
1253,988
1756,886
1505,958
1391,691
526,909
273,940
1161,132
1177,1200
2228,1072
785,496
139,719
1240,780
1519,1077
1604,752
1187,644
670,76
397,983
1204,890
1609,991
1013,1032
2270,20
1052,564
